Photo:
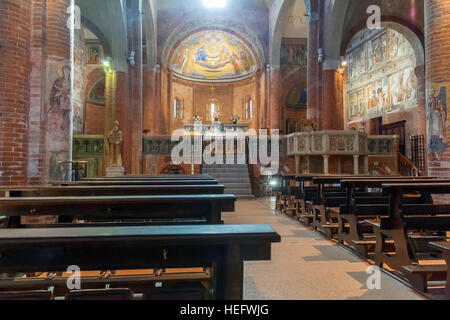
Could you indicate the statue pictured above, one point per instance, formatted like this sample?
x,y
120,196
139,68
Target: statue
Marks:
x,y
115,140
216,117
197,119
235,119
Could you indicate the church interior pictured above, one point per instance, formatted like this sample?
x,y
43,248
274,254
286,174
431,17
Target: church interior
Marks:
x,y
183,150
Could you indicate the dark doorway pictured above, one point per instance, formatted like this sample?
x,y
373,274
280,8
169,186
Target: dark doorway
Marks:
x,y
397,128
376,126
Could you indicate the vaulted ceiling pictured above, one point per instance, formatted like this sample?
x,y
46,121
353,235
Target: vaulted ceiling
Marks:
x,y
261,22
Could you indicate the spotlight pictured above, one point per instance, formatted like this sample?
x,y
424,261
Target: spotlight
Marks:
x,y
215,3
107,64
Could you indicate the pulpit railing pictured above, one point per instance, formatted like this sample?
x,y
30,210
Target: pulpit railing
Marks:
x,y
406,167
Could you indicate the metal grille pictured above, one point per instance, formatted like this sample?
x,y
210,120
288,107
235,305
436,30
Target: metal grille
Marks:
x,y
418,152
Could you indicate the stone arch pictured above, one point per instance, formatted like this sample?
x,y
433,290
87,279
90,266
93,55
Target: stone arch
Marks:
x,y
334,34
95,85
195,24
410,32
98,33
173,169
150,22
277,11
103,12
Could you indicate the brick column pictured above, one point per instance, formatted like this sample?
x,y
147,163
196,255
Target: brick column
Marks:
x,y
36,166
331,117
274,98
150,105
15,67
58,94
437,42
110,110
133,133
313,83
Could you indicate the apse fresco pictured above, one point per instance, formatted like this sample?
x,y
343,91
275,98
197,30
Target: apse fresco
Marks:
x,y
213,56
380,76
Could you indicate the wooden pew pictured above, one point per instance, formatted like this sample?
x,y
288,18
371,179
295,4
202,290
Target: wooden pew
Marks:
x,y
222,247
303,214
285,193
305,196
411,227
155,177
27,295
328,203
114,190
357,209
157,182
444,247
100,294
138,210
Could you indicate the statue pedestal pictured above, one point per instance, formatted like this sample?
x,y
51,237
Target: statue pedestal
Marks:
x,y
112,172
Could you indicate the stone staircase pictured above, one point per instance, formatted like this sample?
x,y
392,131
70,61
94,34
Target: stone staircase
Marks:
x,y
234,177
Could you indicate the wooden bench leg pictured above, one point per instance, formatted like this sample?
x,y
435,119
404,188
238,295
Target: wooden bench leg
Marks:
x,y
447,287
362,251
341,234
419,282
229,275
379,247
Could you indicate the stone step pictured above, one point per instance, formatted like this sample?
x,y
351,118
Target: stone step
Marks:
x,y
238,179
235,178
225,166
238,192
228,175
245,197
219,170
236,185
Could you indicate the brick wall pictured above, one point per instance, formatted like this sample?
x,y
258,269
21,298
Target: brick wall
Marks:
x,y
36,122
59,82
15,67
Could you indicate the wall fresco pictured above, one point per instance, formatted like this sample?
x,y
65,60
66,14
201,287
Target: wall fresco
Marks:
x,y
380,75
213,55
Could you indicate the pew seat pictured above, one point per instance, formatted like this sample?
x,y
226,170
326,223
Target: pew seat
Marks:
x,y
100,294
224,248
205,207
444,247
27,295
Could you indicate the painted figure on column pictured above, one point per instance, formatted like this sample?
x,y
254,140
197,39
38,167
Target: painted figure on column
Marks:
x,y
60,104
437,115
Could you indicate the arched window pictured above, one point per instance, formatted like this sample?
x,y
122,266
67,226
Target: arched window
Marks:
x,y
249,109
178,109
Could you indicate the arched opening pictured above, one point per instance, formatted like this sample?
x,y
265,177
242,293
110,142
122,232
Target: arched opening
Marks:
x,y
248,108
173,170
384,81
212,73
178,109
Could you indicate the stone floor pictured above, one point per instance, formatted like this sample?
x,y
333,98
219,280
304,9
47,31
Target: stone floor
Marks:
x,y
306,266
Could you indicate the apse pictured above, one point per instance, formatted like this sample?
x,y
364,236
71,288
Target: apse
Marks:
x,y
213,55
